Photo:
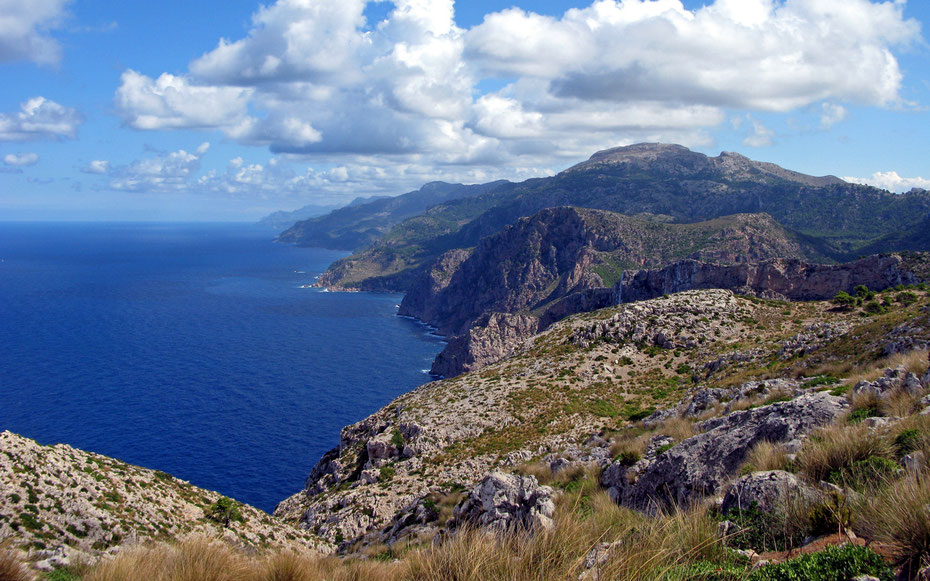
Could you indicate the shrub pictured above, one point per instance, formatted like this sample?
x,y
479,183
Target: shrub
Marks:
x,y
906,442
821,380
838,563
766,531
844,300
386,473
224,510
864,475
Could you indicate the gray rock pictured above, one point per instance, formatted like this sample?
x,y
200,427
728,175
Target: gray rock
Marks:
x,y
700,465
913,385
914,462
769,491
505,501
380,449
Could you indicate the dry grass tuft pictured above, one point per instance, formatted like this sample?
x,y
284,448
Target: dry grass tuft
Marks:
x,y
897,516
766,456
900,404
628,445
914,361
12,569
677,428
833,448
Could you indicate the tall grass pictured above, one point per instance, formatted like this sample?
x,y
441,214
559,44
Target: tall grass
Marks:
x,y
832,449
765,455
12,569
897,516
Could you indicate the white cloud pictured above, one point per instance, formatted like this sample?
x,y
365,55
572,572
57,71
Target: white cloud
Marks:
x,y
313,79
24,30
831,114
40,118
891,181
172,102
164,173
97,166
21,159
761,136
752,54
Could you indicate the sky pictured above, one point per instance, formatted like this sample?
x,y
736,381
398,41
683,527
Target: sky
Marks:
x,y
208,110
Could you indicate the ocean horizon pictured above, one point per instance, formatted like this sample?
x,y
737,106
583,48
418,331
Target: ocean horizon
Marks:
x,y
194,348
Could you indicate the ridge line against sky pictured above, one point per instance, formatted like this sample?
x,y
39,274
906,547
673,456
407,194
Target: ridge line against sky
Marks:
x,y
209,110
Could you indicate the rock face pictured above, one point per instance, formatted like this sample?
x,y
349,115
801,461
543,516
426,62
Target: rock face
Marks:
x,y
503,502
768,491
776,278
698,466
560,262
492,337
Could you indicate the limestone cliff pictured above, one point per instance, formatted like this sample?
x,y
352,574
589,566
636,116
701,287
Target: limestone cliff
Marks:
x,y
786,279
558,262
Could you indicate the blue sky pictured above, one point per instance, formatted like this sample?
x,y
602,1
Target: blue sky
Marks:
x,y
230,110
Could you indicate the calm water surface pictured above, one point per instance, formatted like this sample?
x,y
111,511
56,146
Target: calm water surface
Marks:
x,y
191,348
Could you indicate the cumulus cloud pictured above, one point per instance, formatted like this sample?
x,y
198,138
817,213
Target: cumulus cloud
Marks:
x,y
21,159
315,79
171,102
891,181
40,118
25,27
170,172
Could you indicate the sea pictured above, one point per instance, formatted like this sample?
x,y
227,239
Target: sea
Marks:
x,y
195,349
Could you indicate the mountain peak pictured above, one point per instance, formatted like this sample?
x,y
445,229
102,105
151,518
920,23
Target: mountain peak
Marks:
x,y
681,162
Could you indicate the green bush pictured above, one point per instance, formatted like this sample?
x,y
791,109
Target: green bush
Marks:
x,y
864,474
224,510
765,531
820,380
844,300
838,563
906,442
859,414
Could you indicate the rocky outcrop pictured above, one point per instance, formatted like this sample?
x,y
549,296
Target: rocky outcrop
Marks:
x,y
503,502
894,381
700,465
64,504
776,278
492,337
768,491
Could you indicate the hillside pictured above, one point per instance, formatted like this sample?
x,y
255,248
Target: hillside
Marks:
x,y
681,388
838,219
358,225
64,505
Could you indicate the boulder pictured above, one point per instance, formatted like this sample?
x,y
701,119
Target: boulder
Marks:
x,y
506,501
701,464
768,490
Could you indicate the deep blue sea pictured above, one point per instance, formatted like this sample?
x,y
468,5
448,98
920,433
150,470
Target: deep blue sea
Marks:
x,y
191,348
